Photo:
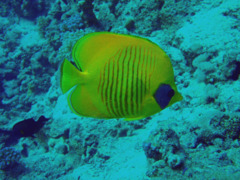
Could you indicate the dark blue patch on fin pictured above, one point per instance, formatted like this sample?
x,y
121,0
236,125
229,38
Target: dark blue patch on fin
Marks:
x,y
163,95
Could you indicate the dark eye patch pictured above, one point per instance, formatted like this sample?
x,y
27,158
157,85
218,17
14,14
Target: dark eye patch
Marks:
x,y
163,95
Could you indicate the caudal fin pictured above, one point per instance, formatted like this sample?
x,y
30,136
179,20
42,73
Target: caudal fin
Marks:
x,y
70,76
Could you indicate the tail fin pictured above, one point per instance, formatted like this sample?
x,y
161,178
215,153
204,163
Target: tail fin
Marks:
x,y
41,121
70,76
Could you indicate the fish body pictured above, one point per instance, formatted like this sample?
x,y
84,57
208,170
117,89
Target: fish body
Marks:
x,y
28,127
118,76
24,128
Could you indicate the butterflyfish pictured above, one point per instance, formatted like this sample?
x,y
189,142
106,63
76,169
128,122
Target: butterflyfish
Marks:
x,y
118,76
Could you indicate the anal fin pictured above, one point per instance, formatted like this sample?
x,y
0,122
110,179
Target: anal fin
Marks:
x,y
81,103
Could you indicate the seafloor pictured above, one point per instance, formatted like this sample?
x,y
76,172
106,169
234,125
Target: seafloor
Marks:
x,y
197,138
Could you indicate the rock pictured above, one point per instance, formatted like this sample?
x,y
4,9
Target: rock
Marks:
x,y
61,148
163,144
174,161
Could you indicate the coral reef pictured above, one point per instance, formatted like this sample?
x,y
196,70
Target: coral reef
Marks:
x,y
163,145
197,138
9,157
29,9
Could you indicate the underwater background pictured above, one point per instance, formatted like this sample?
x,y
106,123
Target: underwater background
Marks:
x,y
196,138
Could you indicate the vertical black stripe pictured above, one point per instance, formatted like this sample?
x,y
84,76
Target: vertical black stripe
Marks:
x,y
154,62
127,78
133,89
148,59
116,99
100,82
112,88
140,76
130,80
138,52
145,72
151,59
153,56
121,93
110,92
150,70
103,83
115,83
106,89
142,71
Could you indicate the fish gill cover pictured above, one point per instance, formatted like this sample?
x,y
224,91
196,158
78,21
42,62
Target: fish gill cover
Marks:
x,y
197,138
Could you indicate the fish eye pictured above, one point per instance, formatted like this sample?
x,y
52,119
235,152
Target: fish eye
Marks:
x,y
163,95
22,132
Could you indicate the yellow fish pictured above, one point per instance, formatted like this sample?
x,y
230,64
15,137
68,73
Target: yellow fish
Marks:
x,y
118,76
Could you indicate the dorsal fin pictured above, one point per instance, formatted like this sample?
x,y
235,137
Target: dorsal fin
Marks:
x,y
92,47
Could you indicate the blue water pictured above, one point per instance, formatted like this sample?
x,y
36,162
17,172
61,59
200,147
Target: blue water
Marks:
x,y
196,138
